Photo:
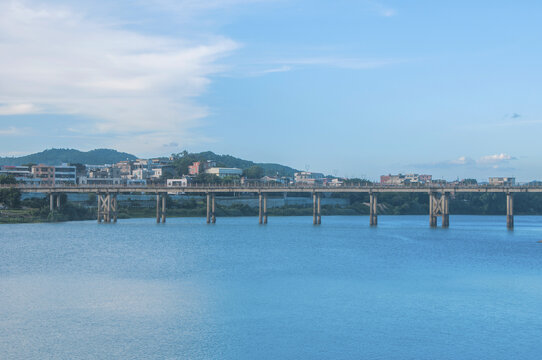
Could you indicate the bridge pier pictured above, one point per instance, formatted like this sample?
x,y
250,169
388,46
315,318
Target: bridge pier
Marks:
x,y
51,202
438,205
265,208
510,211
260,208
208,208
318,209
213,214
373,217
160,208
104,207
114,207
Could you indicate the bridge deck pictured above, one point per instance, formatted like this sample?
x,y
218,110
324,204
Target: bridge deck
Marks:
x,y
157,189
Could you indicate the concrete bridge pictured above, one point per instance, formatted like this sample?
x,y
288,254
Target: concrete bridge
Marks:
x,y
439,196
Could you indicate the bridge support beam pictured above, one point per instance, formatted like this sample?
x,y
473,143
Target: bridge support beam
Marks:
x,y
314,221
208,208
51,202
373,214
213,209
160,208
260,208
114,207
58,201
164,199
265,208
104,207
510,211
438,206
318,209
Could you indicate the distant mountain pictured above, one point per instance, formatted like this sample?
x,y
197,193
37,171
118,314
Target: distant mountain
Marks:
x,y
59,156
231,161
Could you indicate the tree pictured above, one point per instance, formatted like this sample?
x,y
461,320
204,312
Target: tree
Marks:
x,y
7,179
254,172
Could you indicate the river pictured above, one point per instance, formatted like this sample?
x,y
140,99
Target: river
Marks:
x,y
286,290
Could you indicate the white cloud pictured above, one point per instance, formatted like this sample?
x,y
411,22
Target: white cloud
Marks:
x,y
18,109
56,60
496,158
339,62
10,131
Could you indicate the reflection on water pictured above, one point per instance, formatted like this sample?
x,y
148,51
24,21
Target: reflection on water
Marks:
x,y
236,290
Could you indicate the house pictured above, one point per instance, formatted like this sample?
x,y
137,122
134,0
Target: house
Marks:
x,y
309,178
223,172
502,181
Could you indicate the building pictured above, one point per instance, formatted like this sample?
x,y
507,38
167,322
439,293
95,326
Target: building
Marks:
x,y
199,167
406,179
223,172
502,181
309,178
83,180
20,173
65,174
45,174
177,182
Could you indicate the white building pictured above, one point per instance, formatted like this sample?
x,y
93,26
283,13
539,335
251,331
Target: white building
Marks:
x,y
177,182
65,174
223,172
309,178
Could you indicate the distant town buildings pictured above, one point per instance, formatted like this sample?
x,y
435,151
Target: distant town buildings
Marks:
x,y
502,181
405,179
309,178
223,172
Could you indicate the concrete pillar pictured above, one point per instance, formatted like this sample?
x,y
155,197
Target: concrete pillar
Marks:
x,y
213,208
260,210
445,210
318,209
58,201
314,220
114,207
99,208
208,208
432,217
158,208
107,208
265,208
510,211
51,201
373,217
164,208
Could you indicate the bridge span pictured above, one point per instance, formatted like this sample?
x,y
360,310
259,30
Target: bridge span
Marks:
x,y
439,196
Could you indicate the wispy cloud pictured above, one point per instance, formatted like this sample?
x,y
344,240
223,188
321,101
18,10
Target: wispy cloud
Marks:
x,y
11,131
57,60
381,9
339,62
492,161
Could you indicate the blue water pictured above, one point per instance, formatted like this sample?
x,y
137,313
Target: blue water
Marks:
x,y
287,290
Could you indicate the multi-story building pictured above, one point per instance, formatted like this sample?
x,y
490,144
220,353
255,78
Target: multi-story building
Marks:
x,y
406,179
502,181
65,174
177,182
124,168
45,174
223,172
309,178
20,173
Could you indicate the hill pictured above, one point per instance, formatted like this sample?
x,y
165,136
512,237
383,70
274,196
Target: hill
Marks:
x,y
59,156
270,169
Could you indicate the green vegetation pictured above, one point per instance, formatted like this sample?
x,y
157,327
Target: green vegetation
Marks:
x,y
182,160
59,156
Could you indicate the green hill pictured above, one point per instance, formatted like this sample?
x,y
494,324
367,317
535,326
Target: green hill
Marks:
x,y
59,156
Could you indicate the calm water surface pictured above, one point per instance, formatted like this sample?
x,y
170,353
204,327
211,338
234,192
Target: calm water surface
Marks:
x,y
288,290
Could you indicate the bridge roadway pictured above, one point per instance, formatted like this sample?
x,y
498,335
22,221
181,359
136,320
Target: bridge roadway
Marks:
x,y
438,196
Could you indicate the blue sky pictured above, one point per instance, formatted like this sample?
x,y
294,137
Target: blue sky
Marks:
x,y
349,88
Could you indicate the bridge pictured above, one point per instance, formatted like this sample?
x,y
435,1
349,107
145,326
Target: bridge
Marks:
x,y
439,196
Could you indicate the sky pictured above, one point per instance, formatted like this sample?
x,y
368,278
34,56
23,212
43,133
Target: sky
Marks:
x,y
355,88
